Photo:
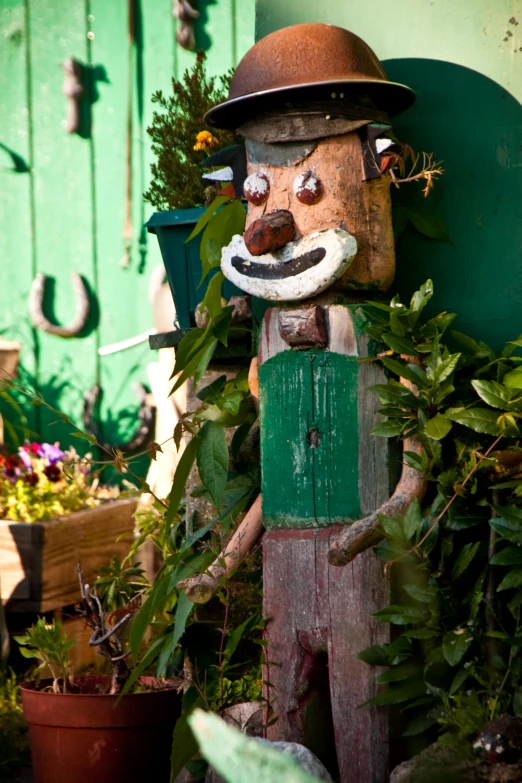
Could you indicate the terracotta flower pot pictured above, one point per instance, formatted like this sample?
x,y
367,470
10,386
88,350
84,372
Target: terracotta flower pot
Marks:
x,y
86,737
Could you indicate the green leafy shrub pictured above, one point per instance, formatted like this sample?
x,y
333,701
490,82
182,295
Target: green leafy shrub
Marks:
x,y
176,175
455,661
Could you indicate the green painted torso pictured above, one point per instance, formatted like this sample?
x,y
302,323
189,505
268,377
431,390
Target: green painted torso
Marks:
x,y
320,464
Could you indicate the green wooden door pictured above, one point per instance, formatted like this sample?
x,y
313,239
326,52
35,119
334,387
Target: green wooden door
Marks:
x,y
63,197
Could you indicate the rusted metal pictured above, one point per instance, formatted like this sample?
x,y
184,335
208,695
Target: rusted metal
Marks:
x,y
308,62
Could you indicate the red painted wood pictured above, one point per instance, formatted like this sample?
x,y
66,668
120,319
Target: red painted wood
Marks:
x,y
315,608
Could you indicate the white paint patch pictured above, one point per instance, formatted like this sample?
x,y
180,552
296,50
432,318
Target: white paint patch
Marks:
x,y
309,181
257,184
499,749
222,175
340,247
383,144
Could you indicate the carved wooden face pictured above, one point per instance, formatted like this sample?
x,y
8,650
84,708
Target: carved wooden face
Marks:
x,y
313,221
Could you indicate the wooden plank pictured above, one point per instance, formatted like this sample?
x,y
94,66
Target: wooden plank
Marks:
x,y
38,560
122,290
16,234
63,218
19,548
319,619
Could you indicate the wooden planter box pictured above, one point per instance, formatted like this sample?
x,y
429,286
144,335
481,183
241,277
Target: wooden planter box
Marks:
x,y
38,560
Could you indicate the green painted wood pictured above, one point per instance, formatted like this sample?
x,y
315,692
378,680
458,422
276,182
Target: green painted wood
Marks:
x,y
16,239
122,291
63,208
80,180
307,394
465,62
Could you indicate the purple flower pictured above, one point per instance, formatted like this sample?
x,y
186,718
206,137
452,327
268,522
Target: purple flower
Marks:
x,y
51,453
12,474
25,457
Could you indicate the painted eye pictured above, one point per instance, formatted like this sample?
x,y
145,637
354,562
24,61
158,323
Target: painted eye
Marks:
x,y
256,188
308,188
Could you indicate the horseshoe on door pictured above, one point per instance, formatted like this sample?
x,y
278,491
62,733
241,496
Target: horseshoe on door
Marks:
x,y
40,321
146,418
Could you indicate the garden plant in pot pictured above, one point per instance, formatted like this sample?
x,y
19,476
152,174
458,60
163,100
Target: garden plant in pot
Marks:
x,y
82,728
53,512
182,142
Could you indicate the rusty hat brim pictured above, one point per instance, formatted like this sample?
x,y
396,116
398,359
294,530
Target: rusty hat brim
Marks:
x,y
390,97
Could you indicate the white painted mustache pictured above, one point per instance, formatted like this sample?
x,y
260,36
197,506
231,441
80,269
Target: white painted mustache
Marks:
x,y
301,268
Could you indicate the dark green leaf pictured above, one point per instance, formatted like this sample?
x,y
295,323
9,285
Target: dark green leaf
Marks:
x,y
218,202
446,367
390,428
455,645
429,224
409,371
212,458
478,419
512,579
513,379
184,745
464,559
494,394
510,556
399,344
438,427
400,614
180,479
399,693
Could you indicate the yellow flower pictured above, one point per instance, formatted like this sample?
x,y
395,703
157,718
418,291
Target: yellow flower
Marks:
x,y
205,141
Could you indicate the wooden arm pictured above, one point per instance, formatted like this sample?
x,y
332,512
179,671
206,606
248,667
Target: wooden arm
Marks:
x,y
367,532
200,589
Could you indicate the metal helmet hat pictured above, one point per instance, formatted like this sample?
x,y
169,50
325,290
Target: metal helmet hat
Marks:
x,y
307,63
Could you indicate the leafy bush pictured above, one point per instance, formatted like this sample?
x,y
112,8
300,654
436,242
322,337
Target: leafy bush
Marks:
x,y
455,662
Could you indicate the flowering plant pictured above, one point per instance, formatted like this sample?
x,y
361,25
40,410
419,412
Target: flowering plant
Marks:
x,y
41,481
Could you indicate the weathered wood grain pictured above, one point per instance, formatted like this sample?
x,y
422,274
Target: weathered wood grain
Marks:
x,y
320,616
362,208
38,560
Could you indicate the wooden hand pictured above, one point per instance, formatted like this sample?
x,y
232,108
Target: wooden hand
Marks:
x,y
201,588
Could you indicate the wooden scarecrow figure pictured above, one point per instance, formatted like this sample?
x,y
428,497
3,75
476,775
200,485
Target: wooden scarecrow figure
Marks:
x,y
313,103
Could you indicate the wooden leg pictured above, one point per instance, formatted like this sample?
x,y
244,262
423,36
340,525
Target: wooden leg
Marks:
x,y
314,609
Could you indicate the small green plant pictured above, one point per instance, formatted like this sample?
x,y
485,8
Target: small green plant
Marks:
x,y
120,586
48,643
14,740
176,176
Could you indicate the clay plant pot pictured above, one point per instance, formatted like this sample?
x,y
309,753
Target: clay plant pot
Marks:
x,y
87,737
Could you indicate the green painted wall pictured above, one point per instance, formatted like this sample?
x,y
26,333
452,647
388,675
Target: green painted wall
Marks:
x,y
464,60
62,197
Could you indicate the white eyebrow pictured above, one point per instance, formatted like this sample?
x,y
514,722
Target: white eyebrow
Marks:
x,y
222,175
383,144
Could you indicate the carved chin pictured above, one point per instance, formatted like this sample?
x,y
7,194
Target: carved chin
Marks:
x,y
301,269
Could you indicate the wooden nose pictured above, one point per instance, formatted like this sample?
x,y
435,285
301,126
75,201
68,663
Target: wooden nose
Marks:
x,y
270,233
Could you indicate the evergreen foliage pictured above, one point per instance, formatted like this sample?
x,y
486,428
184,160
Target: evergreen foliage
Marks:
x,y
176,176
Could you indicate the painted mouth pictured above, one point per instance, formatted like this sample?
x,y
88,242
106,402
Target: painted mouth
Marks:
x,y
299,270
279,271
